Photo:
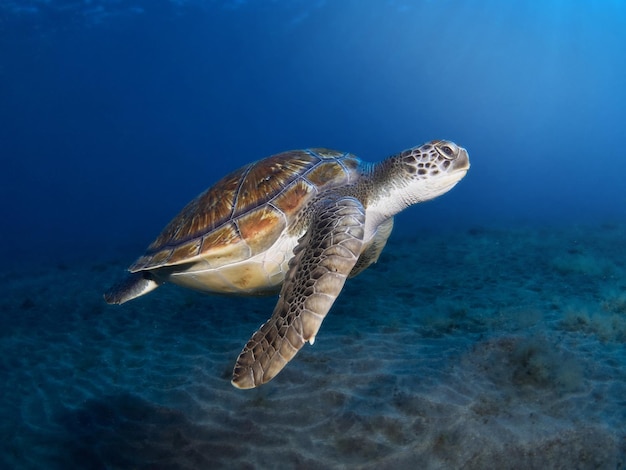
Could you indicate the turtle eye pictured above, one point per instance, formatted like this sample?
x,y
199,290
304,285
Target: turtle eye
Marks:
x,y
447,152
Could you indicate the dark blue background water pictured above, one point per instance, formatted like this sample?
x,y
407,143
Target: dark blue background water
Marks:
x,y
114,114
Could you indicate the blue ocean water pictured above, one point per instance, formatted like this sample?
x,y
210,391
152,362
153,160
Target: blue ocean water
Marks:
x,y
491,332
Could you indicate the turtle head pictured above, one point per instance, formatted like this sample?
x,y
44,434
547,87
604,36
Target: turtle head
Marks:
x,y
429,170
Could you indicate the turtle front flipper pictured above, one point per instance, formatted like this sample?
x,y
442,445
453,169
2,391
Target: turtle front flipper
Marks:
x,y
324,257
371,253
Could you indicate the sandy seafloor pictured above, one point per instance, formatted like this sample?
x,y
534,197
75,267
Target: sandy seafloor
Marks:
x,y
485,348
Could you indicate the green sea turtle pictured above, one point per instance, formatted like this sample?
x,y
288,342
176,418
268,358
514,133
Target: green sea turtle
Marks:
x,y
298,223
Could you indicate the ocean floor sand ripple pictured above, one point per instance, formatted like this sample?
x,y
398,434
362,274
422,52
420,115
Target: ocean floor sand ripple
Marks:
x,y
478,349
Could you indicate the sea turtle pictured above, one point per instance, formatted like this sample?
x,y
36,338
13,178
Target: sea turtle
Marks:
x,y
298,223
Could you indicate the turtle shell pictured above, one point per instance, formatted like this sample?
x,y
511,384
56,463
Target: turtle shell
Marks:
x,y
245,212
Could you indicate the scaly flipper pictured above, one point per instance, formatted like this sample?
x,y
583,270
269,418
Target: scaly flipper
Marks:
x,y
132,286
372,252
324,257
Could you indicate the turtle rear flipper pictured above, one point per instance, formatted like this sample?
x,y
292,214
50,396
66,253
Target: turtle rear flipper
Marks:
x,y
324,257
132,286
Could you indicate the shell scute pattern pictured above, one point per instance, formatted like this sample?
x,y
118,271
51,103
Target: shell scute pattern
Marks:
x,y
259,225
244,213
185,250
269,177
292,199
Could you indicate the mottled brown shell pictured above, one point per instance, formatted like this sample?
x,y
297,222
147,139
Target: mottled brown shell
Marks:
x,y
245,212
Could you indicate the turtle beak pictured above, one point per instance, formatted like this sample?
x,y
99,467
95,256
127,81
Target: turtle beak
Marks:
x,y
461,162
